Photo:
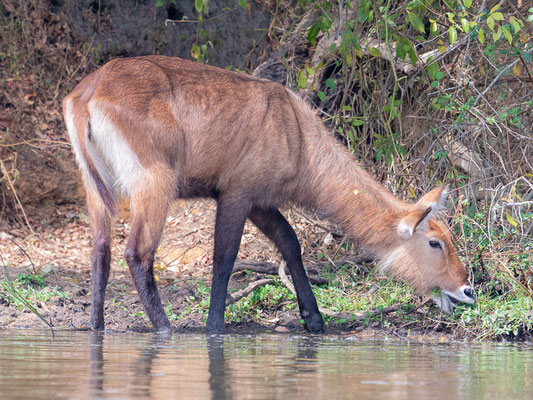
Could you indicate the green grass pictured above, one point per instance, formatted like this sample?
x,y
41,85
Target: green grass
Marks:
x,y
28,288
500,261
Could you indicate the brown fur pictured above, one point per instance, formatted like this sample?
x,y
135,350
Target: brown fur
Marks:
x,y
196,130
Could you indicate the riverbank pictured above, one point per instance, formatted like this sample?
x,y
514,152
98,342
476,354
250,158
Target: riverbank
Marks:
x,y
50,271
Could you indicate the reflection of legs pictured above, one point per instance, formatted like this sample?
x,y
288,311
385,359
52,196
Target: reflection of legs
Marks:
x,y
218,382
101,258
144,365
231,216
150,206
277,229
97,364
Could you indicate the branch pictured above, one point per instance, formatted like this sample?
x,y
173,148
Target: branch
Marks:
x,y
233,298
12,187
497,78
318,224
526,21
26,254
257,266
267,268
370,314
284,279
387,51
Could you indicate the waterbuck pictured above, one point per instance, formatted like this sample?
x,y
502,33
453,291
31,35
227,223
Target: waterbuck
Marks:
x,y
156,128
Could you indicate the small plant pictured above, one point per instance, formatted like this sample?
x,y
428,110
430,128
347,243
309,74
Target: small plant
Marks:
x,y
17,293
34,280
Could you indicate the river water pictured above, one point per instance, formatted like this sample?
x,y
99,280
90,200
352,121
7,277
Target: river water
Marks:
x,y
86,365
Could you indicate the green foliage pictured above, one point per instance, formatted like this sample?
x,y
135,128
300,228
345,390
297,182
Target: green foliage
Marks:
x,y
27,291
400,82
504,297
34,280
403,30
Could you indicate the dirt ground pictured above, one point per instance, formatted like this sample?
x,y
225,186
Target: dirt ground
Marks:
x,y
183,259
184,256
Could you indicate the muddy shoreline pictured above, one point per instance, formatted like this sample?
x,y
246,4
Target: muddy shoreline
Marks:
x,y
60,255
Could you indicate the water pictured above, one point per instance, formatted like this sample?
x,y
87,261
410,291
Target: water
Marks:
x,y
82,365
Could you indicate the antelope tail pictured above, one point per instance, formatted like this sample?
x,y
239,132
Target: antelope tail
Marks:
x,y
101,187
88,158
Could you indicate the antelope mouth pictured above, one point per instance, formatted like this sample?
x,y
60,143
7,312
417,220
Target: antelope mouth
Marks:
x,y
448,300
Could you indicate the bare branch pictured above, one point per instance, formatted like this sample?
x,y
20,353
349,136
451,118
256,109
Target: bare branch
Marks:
x,y
284,279
234,297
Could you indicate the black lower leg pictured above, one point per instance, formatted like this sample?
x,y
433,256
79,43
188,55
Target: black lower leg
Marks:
x,y
141,268
277,229
100,266
230,219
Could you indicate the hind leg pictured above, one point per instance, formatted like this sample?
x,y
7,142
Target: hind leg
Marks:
x,y
100,222
276,228
150,206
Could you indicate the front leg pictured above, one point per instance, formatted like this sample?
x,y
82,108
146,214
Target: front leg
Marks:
x,y
231,216
276,228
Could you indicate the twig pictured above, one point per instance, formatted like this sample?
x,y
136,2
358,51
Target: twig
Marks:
x,y
288,284
263,267
331,261
12,290
318,224
496,79
234,297
511,275
26,254
340,15
6,174
525,66
357,318
267,268
510,203
27,142
82,61
369,314
524,19
284,279
385,310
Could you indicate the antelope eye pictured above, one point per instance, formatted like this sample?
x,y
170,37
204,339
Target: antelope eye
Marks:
x,y
435,244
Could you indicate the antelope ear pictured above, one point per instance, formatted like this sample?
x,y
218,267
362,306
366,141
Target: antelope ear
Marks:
x,y
408,224
437,198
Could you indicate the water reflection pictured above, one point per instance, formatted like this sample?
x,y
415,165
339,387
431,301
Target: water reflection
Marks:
x,y
217,368
96,365
140,384
96,352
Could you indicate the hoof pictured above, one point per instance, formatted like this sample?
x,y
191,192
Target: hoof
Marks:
x,y
99,327
217,328
165,330
314,323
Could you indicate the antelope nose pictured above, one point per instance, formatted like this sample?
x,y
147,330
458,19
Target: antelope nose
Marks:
x,y
469,292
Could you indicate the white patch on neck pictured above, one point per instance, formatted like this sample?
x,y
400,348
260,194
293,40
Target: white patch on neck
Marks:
x,y
386,262
115,160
